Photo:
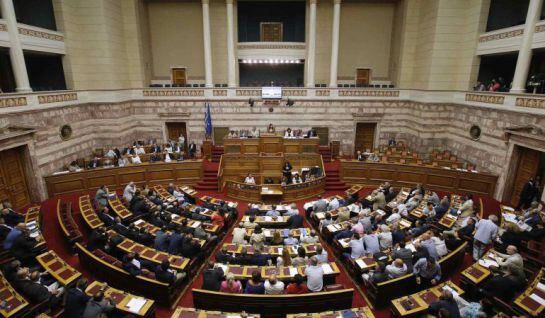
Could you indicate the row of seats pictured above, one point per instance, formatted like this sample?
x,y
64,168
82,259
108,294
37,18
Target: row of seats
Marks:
x,y
66,221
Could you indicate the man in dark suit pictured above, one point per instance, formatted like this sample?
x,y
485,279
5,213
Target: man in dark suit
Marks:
x,y
192,150
176,241
446,301
155,149
162,239
76,300
312,133
11,217
98,305
94,163
105,217
4,229
190,247
143,237
223,256
164,274
295,221
33,291
97,239
23,248
526,195
212,277
120,228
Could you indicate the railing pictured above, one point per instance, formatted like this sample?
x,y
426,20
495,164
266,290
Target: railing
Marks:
x,y
291,192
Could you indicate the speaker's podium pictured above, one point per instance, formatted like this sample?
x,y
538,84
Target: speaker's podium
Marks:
x,y
271,193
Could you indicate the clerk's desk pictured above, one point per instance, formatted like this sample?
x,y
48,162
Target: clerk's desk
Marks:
x,y
270,143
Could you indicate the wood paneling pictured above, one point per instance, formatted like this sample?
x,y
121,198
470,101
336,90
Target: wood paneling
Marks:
x,y
450,180
363,76
175,130
365,136
526,170
271,144
179,76
13,186
187,172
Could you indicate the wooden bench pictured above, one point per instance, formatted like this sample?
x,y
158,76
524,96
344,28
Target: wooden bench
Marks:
x,y
16,305
88,213
272,306
65,274
122,298
68,226
363,312
182,312
107,268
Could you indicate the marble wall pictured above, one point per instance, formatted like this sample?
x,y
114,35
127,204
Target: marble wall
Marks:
x,y
423,126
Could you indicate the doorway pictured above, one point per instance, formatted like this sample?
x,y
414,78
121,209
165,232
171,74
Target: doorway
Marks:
x,y
365,136
13,185
363,76
179,76
531,165
175,130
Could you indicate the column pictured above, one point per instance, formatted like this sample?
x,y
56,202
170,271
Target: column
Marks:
x,y
207,44
525,52
231,59
311,44
335,43
15,51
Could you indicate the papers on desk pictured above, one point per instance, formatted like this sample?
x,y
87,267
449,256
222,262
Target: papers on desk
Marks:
x,y
487,263
538,299
344,243
223,267
508,208
231,204
268,219
267,232
294,249
361,263
454,293
320,215
293,271
509,217
382,213
135,304
138,222
308,205
327,269
195,224
280,249
61,172
540,286
334,227
404,192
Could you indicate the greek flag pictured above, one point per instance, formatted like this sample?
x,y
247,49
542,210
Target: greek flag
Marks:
x,y
207,121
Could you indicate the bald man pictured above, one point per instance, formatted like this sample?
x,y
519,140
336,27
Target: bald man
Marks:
x,y
511,257
397,269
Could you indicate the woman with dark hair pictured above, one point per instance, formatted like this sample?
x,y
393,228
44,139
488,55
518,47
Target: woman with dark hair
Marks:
x,y
255,284
298,286
286,171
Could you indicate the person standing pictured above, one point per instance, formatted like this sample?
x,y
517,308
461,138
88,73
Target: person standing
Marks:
x,y
526,195
486,232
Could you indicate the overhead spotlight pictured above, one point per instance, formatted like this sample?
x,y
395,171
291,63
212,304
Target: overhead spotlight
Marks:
x,y
251,102
290,102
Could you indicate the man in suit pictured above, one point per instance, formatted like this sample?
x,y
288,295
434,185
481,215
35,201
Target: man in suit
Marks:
x,y
164,274
192,150
94,163
526,195
212,277
9,215
23,248
162,239
105,217
190,247
32,290
102,196
176,241
295,221
76,300
120,228
223,256
4,229
98,305
97,239
378,199
155,149
312,133
320,205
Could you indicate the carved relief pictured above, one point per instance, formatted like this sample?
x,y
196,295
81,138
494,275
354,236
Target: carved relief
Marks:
x,y
322,92
500,36
530,102
283,46
173,92
57,98
40,34
219,92
248,92
294,92
368,93
489,99
13,102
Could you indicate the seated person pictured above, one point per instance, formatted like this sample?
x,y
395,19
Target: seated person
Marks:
x,y
255,284
73,167
249,179
360,156
298,286
212,277
427,271
273,212
376,276
232,134
94,163
273,286
270,129
288,133
297,179
397,269
230,285
136,159
164,274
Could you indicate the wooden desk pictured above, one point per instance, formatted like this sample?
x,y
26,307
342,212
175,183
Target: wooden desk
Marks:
x,y
182,312
65,274
88,212
419,302
118,207
476,273
152,229
271,250
15,303
284,273
526,303
399,175
272,143
283,232
187,172
121,299
127,245
268,221
448,220
271,193
353,190
363,312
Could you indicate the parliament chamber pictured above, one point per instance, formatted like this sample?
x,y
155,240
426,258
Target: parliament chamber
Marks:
x,y
272,159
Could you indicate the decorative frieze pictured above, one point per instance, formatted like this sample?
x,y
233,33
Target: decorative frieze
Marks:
x,y
13,102
40,34
530,102
501,36
3,27
540,28
294,92
367,93
272,46
219,92
172,92
248,92
57,98
322,92
482,98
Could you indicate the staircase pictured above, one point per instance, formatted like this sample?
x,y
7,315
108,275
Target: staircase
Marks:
x,y
333,179
209,181
217,151
326,153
